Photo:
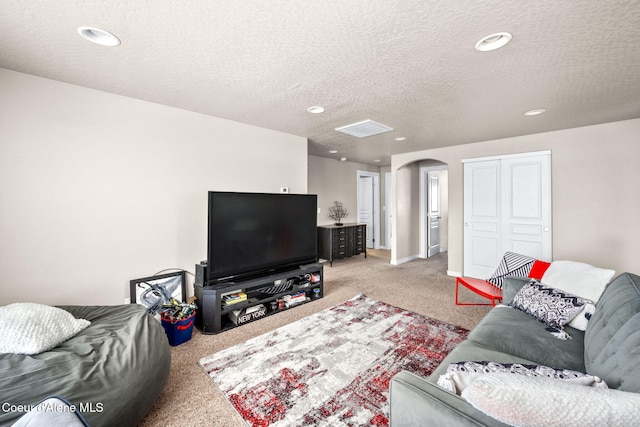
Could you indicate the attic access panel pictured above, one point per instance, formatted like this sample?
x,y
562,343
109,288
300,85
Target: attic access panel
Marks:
x,y
364,128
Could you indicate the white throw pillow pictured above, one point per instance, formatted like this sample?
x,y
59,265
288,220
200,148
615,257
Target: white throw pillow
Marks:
x,y
29,328
578,278
581,320
583,280
540,402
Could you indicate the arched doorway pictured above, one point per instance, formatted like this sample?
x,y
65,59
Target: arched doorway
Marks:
x,y
411,208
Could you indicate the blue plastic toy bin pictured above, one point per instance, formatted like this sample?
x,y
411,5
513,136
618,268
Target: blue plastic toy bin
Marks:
x,y
180,331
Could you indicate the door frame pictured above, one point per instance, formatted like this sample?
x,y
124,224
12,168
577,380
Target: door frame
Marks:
x,y
424,189
375,204
388,211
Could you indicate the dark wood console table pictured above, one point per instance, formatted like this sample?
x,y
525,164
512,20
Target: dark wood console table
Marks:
x,y
341,241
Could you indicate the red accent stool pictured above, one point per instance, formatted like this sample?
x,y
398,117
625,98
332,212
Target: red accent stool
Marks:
x,y
481,287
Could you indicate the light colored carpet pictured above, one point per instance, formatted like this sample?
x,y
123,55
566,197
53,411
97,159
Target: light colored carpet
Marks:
x,y
190,398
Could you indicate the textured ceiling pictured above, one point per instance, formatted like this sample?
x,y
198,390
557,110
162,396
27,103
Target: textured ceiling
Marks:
x,y
410,65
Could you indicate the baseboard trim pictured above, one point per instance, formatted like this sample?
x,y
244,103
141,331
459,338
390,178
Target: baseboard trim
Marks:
x,y
403,260
454,273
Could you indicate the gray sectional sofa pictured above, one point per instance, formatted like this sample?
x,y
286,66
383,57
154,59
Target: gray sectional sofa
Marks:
x,y
609,348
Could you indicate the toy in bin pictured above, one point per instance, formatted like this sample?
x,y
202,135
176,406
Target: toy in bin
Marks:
x,y
177,320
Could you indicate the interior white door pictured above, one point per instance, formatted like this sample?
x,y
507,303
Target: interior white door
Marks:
x,y
366,206
507,207
433,215
481,218
526,192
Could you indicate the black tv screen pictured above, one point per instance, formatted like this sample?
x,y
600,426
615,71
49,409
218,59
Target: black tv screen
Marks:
x,y
254,233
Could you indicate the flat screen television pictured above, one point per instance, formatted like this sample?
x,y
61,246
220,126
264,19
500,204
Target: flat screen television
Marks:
x,y
252,234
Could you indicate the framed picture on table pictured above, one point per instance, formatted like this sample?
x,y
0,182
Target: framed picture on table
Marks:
x,y
152,292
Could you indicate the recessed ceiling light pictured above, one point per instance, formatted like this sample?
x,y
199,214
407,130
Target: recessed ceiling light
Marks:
x,y
333,151
534,112
316,109
377,160
343,159
493,41
98,36
399,138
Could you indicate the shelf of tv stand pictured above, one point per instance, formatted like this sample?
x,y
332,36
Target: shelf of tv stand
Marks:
x,y
227,324
212,316
226,309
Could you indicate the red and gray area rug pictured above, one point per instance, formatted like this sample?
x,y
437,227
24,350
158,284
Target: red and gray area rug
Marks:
x,y
332,368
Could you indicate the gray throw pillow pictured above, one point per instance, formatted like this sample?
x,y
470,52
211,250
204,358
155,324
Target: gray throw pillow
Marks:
x,y
511,285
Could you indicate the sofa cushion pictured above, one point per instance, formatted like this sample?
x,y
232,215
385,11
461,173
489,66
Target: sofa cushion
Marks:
x,y
551,306
506,335
470,350
612,338
507,330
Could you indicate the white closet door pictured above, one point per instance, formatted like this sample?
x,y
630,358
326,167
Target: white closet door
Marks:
x,y
482,216
507,207
526,192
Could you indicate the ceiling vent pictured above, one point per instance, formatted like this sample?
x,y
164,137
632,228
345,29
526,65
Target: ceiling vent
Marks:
x,y
364,129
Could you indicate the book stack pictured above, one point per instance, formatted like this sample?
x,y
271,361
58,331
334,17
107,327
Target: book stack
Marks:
x,y
234,298
294,299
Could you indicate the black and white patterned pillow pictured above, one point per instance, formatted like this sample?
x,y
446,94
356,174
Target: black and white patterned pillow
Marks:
x,y
512,264
551,306
461,375
486,367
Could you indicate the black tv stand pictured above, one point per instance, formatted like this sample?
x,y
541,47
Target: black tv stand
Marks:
x,y
265,295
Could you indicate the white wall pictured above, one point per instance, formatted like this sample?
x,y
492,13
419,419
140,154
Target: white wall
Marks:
x,y
98,189
595,175
406,218
332,181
